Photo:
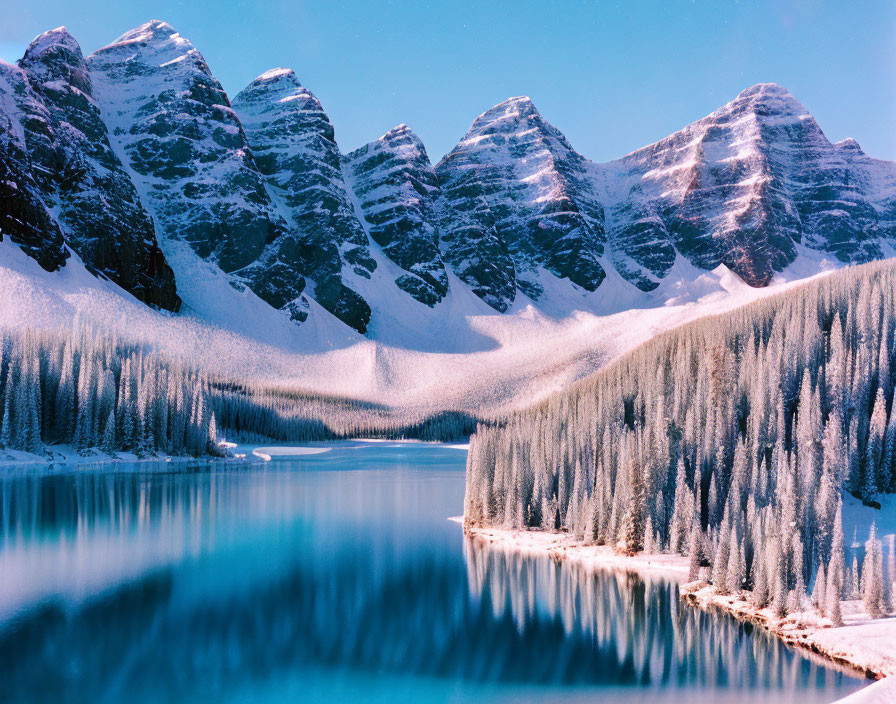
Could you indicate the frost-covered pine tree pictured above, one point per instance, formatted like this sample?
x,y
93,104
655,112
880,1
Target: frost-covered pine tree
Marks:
x,y
749,425
873,593
819,591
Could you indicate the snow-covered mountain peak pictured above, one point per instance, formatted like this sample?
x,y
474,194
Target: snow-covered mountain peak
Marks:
x,y
769,103
155,44
171,122
294,147
766,92
278,87
741,187
518,200
402,140
279,74
396,189
850,145
152,31
56,56
513,108
52,39
512,116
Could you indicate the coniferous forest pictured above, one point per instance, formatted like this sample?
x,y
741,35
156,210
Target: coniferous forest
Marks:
x,y
730,440
96,393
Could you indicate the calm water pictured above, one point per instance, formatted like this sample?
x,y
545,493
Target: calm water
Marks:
x,y
336,577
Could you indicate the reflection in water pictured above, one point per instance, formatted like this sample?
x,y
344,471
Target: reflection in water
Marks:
x,y
642,624
303,581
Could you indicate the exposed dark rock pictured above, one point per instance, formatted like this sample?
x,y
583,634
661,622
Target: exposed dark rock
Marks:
x,y
173,124
294,147
397,189
101,214
24,216
517,198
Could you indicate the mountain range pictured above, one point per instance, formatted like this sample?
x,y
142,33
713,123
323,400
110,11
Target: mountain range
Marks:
x,y
129,157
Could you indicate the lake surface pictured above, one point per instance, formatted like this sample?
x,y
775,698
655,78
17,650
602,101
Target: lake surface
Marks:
x,y
336,577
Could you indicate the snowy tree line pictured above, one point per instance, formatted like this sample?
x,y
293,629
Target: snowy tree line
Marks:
x,y
251,411
729,440
94,392
91,391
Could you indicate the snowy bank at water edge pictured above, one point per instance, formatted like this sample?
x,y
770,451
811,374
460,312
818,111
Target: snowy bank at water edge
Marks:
x,y
563,546
69,455
862,643
883,692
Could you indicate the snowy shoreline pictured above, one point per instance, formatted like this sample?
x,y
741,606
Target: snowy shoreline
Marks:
x,y
238,453
862,644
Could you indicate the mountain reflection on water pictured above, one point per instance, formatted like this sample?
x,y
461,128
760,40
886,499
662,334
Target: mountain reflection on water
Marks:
x,y
336,577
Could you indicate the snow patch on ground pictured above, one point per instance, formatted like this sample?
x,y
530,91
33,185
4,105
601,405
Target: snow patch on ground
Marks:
x,y
883,692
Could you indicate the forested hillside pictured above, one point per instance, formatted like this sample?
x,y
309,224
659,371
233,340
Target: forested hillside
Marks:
x,y
97,393
728,439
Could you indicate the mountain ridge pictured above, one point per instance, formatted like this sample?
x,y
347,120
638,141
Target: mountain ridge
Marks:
x,y
260,189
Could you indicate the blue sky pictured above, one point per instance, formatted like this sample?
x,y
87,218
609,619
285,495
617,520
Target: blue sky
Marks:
x,y
613,76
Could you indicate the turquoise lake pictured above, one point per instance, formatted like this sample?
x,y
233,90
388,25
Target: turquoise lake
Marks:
x,y
336,577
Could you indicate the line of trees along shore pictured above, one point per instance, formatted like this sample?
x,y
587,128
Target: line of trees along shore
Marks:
x,y
97,393
729,439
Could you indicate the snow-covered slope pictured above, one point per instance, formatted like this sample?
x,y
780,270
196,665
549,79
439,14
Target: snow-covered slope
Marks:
x,y
468,357
509,269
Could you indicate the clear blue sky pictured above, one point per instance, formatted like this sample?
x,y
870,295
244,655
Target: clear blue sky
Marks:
x,y
613,76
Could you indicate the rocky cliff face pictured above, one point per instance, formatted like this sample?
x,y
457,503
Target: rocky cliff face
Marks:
x,y
397,189
172,123
516,198
95,201
24,216
294,147
140,142
739,187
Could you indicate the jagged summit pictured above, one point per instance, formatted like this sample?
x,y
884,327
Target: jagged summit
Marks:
x,y
851,145
56,55
397,189
402,138
517,200
153,30
171,123
517,106
276,74
281,85
294,146
157,44
511,115
51,39
765,91
765,100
